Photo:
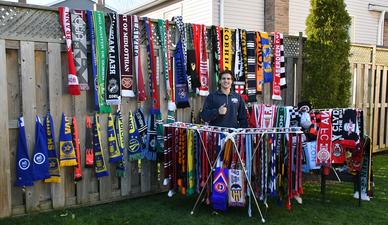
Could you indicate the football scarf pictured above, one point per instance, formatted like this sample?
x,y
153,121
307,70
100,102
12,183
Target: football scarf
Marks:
x,y
220,186
74,134
101,56
94,57
151,68
89,144
227,48
67,153
168,154
166,56
53,161
239,83
40,166
216,69
248,159
192,76
244,53
78,38
277,66
141,125
267,68
182,160
349,127
311,152
203,71
236,189
135,148
338,154
99,161
182,34
190,162
283,83
160,134
126,53
259,63
114,151
251,77
289,171
120,165
23,164
113,77
64,16
267,116
324,140
149,151
181,93
136,51
196,29
238,70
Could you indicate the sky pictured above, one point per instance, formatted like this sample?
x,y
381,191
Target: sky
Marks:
x,y
112,3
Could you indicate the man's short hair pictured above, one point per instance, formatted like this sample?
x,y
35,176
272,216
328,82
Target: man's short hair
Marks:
x,y
225,72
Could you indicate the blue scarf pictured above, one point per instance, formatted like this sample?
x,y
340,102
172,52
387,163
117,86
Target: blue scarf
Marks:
x,y
150,150
220,189
267,68
40,166
53,160
67,152
99,162
120,165
23,164
181,93
114,151
134,148
94,57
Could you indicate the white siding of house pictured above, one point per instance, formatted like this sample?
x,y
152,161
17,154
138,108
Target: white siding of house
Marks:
x,y
244,14
216,13
365,21
158,11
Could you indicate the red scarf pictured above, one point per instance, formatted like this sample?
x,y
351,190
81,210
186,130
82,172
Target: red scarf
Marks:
x,y
277,67
324,140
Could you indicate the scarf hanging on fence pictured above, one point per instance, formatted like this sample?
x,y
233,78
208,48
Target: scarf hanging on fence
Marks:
x,y
101,53
23,164
227,48
160,134
136,51
52,156
165,43
182,181
220,186
236,188
203,71
114,151
283,83
64,16
182,34
94,57
216,69
135,147
99,161
78,38
168,154
113,77
277,66
77,168
141,125
67,152
251,77
238,70
126,53
192,76
196,29
338,154
40,166
120,165
151,68
239,83
272,183
89,144
244,56
182,98
267,68
190,162
150,150
259,63
324,140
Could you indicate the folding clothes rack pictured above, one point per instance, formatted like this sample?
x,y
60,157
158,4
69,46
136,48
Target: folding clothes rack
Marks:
x,y
231,133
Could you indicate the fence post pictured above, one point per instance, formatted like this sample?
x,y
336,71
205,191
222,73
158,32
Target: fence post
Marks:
x,y
299,73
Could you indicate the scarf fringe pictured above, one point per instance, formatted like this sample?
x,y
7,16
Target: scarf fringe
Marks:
x,y
166,181
181,105
84,87
114,102
203,93
121,173
218,199
171,106
102,174
105,109
24,183
276,97
191,191
41,177
128,93
68,162
239,204
53,179
149,155
171,193
219,206
135,157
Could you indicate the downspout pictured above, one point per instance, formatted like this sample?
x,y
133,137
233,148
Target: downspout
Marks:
x,y
221,13
380,28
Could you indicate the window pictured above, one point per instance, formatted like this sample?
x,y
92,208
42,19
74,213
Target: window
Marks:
x,y
351,30
173,12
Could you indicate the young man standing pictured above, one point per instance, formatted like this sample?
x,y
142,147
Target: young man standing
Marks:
x,y
224,107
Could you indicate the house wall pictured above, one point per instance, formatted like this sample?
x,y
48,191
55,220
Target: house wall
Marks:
x,y
385,39
365,21
245,14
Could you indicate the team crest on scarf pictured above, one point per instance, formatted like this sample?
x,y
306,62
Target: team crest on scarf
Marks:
x,y
236,188
182,93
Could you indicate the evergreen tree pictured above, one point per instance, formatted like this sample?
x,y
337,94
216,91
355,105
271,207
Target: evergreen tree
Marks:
x,y
327,51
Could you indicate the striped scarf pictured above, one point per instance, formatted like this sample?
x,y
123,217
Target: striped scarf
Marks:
x,y
283,83
203,71
160,134
251,83
277,67
150,148
136,52
99,161
94,57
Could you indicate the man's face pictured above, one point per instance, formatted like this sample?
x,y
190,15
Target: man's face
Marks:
x,y
226,81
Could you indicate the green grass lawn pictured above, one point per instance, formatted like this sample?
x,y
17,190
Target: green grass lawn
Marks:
x,y
340,208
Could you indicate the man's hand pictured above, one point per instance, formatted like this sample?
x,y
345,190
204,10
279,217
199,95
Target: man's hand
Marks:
x,y
222,110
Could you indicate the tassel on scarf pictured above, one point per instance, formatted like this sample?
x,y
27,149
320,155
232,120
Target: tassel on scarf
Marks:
x,y
23,164
67,152
53,160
